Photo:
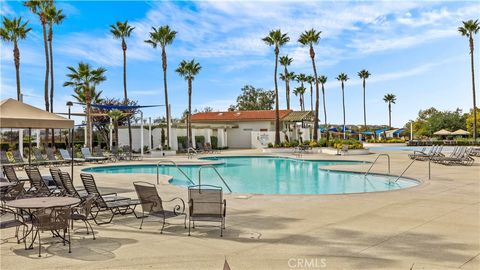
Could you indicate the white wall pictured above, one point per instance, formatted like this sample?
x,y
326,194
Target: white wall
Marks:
x,y
241,137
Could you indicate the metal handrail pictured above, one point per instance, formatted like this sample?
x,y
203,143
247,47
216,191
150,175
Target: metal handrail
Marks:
x,y
409,165
176,166
190,155
373,163
219,175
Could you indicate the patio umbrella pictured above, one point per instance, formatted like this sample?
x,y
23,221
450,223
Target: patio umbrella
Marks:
x,y
460,132
16,114
443,132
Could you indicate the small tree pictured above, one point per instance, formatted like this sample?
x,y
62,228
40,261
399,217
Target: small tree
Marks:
x,y
116,115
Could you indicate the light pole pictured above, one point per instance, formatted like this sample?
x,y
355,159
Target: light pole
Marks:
x,y
69,105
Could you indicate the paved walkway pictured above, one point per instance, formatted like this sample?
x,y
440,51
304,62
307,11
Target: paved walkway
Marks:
x,y
431,226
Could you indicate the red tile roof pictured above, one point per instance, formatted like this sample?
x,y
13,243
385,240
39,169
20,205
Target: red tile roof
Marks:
x,y
237,116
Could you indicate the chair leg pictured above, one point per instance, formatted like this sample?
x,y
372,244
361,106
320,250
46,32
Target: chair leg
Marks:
x,y
185,221
188,227
163,225
39,245
86,227
93,233
69,241
143,216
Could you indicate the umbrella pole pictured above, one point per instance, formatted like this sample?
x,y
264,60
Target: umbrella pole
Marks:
x,y
73,153
29,146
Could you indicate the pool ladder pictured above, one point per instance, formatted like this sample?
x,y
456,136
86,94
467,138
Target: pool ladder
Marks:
x,y
375,161
167,161
216,171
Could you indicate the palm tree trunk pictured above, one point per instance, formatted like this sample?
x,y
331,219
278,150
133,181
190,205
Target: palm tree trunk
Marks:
x,y
311,97
364,109
277,112
343,102
16,58
473,90
89,120
167,109
317,95
124,48
287,87
324,109
389,115
47,67
50,36
189,116
115,127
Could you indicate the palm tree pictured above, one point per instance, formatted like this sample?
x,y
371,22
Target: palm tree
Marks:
x,y
300,91
115,115
122,30
390,98
84,79
39,7
468,29
285,61
188,70
310,80
277,39
163,36
53,16
323,80
95,97
342,77
310,38
364,74
13,31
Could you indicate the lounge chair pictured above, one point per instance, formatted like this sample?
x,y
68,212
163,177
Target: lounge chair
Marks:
x,y
11,175
206,204
51,157
129,154
4,159
67,157
17,156
55,172
152,204
12,193
40,160
37,185
69,187
118,206
200,148
98,152
181,148
87,155
208,148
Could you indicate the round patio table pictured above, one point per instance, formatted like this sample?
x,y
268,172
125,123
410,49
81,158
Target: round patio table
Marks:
x,y
43,202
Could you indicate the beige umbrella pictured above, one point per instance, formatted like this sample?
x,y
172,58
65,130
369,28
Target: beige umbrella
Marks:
x,y
443,132
16,114
460,132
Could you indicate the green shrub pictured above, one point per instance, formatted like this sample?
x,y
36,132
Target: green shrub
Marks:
x,y
200,139
270,145
323,142
182,140
214,142
5,146
313,144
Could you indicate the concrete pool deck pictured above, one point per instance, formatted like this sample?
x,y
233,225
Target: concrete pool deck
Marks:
x,y
433,225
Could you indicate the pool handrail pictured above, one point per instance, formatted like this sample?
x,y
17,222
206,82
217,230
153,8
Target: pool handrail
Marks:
x,y
373,163
409,165
218,173
176,166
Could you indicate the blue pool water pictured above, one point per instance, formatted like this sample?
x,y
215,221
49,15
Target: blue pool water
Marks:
x,y
272,175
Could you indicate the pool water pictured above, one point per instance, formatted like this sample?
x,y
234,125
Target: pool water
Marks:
x,y
272,175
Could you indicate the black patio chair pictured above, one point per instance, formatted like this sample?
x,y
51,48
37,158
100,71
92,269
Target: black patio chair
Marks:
x,y
206,204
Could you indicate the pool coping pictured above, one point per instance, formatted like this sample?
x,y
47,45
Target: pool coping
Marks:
x,y
165,180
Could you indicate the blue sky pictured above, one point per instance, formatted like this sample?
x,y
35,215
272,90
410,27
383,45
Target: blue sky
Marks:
x,y
412,49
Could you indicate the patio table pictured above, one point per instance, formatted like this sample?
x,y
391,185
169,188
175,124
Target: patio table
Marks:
x,y
29,204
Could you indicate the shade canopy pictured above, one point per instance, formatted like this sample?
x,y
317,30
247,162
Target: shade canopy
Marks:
x,y
460,132
442,132
15,114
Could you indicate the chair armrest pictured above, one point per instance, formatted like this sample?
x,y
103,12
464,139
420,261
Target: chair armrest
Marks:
x,y
107,194
179,206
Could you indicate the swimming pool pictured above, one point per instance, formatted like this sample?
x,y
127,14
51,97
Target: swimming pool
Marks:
x,y
272,175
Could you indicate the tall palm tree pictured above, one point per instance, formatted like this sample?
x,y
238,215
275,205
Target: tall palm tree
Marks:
x,y
188,70
163,36
122,30
390,98
468,29
95,97
286,61
84,79
39,7
53,16
342,77
310,80
364,74
300,91
277,39
115,115
323,80
13,31
310,38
